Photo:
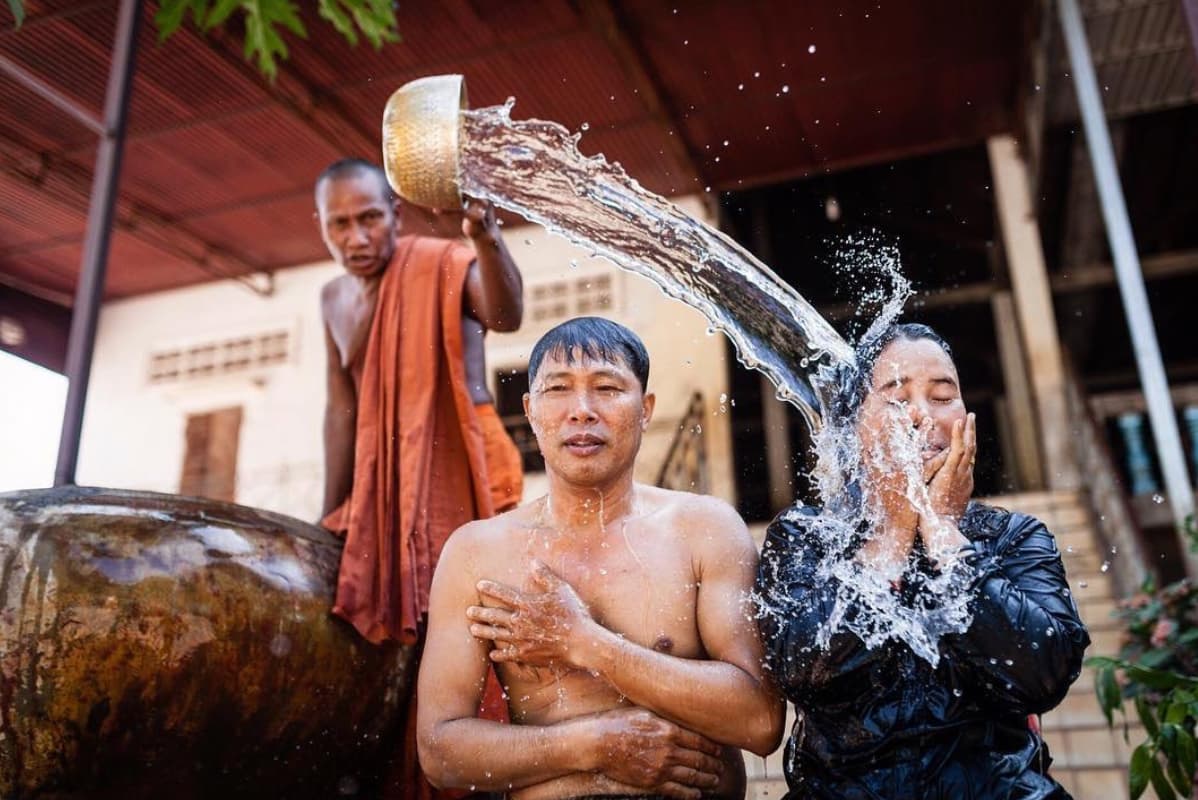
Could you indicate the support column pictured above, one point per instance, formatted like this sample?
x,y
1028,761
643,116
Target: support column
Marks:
x,y
1033,304
1020,409
1190,9
1129,276
778,454
90,291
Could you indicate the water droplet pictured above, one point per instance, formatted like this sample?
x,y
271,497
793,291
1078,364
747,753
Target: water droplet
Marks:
x,y
956,692
586,126
786,89
756,74
1158,499
1105,566
574,262
723,398
528,242
810,48
740,87
1009,663
1082,584
1049,632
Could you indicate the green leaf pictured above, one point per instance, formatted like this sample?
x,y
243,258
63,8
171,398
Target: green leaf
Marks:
x,y
262,41
331,10
1177,776
1156,658
1176,713
171,13
220,13
1187,751
1160,784
1157,679
1138,771
1147,717
376,18
1108,693
17,7
1100,662
1168,741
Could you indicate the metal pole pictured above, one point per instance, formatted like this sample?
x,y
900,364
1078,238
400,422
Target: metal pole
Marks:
x,y
1127,270
90,291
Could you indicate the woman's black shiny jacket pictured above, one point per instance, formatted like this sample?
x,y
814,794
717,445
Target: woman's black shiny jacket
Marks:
x,y
884,723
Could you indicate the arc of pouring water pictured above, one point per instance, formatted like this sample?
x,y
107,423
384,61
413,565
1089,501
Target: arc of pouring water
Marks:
x,y
533,167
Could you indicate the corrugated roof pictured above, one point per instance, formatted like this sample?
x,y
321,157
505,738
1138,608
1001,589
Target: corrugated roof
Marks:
x,y
219,162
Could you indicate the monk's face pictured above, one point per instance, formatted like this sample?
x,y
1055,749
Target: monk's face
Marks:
x,y
357,222
588,416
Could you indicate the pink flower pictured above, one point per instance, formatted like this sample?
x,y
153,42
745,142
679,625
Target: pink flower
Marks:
x,y
1163,630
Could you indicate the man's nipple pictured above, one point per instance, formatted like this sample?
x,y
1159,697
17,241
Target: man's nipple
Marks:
x,y
664,644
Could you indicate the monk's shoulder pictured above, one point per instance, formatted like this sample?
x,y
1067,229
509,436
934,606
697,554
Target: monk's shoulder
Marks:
x,y
333,293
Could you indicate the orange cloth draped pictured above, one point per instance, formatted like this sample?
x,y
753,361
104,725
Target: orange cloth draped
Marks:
x,y
426,461
505,468
419,453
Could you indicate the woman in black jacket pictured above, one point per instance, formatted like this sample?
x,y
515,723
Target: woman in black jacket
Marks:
x,y
932,698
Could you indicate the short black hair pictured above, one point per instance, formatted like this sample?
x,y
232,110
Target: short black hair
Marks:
x,y
595,338
347,167
854,389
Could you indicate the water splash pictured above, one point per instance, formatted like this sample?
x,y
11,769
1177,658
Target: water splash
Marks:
x,y
534,168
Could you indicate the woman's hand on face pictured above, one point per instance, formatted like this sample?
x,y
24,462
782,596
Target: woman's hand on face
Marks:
x,y
950,474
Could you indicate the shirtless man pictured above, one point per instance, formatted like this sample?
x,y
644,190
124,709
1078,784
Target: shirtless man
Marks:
x,y
360,221
616,612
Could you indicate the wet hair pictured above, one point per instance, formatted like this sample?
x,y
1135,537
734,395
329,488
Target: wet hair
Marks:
x,y
856,386
352,167
596,339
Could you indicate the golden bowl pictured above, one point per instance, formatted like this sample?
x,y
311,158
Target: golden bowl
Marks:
x,y
422,132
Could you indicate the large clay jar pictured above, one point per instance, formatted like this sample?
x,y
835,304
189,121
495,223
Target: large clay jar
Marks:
x,y
161,646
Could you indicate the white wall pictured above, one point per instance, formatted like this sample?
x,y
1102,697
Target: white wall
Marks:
x,y
133,430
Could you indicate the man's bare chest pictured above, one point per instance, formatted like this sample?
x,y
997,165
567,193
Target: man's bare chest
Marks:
x,y
646,591
350,321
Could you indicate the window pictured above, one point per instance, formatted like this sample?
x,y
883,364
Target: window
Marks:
x,y
228,356
510,386
210,454
554,301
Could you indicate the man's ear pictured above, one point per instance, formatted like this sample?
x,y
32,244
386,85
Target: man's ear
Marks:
x,y
525,400
648,403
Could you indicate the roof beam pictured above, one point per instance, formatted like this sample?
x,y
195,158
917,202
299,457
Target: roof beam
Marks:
x,y
605,20
314,109
68,184
47,92
1095,276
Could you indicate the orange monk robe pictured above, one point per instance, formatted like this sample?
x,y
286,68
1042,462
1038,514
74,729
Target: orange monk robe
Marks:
x,y
419,452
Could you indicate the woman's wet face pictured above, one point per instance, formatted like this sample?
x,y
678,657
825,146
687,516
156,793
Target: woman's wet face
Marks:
x,y
914,388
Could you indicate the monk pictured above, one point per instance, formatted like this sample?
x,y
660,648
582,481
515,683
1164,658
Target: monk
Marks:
x,y
413,446
618,613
